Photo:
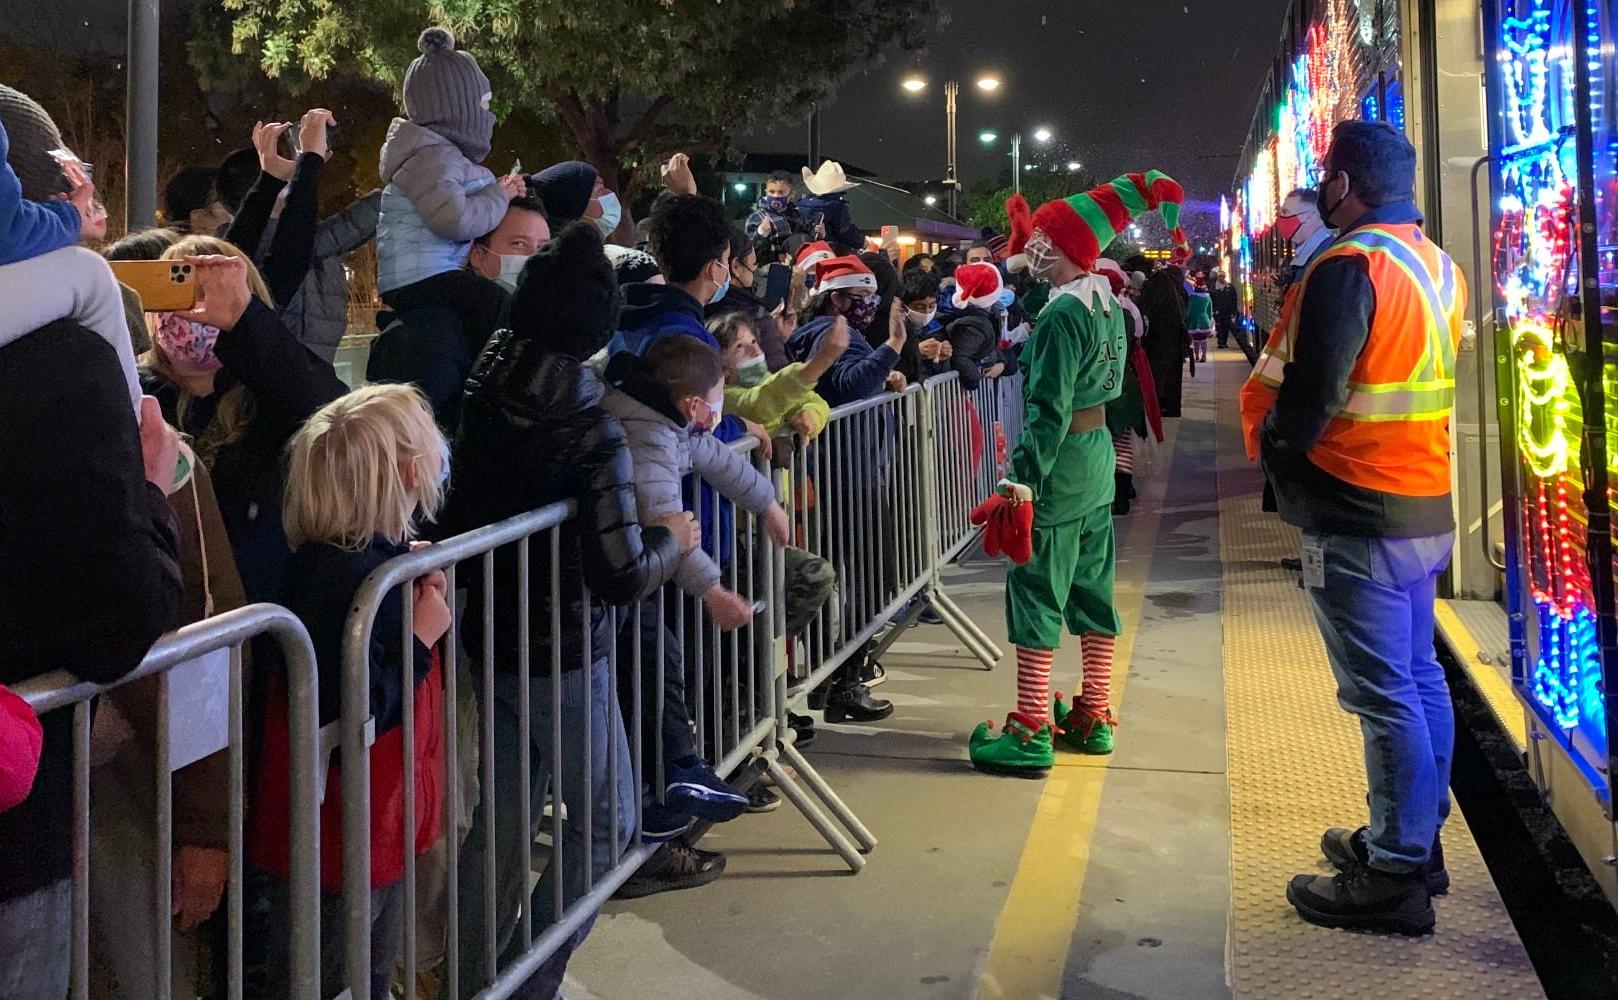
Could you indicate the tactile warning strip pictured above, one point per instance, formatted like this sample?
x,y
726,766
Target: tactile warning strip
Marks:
x,y
1296,767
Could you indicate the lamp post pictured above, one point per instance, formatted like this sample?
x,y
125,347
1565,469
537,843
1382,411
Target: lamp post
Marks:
x,y
1042,135
915,84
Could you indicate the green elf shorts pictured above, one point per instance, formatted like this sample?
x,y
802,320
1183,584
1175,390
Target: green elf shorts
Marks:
x,y
1068,580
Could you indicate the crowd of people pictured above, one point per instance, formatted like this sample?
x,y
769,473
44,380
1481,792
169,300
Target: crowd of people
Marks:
x,y
206,455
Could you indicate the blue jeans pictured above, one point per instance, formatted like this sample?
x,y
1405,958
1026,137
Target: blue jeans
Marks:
x,y
1376,615
590,716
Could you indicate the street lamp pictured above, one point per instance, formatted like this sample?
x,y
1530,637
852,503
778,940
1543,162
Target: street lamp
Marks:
x,y
1042,135
1073,166
914,84
931,200
986,137
740,187
988,83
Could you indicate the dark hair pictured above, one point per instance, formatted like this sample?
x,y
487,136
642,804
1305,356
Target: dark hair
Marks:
x,y
726,326
1379,160
235,176
687,233
740,244
918,284
1306,195
188,190
148,244
783,176
524,203
686,366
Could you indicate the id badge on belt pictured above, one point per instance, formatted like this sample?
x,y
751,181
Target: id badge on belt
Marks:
x,y
1314,565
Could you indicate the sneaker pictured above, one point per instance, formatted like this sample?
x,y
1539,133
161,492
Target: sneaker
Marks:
x,y
661,822
855,704
696,789
1022,750
803,728
762,799
872,673
1081,733
675,865
1345,848
1363,898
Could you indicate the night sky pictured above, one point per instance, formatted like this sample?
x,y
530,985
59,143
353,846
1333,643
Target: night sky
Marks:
x,y
1124,85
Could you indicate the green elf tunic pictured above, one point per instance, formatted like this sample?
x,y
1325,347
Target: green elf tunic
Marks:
x,y
1074,360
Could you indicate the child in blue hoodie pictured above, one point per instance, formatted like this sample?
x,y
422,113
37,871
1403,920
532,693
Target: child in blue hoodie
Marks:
x,y
44,274
438,197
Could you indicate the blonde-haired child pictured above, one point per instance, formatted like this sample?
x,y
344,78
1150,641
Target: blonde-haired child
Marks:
x,y
361,474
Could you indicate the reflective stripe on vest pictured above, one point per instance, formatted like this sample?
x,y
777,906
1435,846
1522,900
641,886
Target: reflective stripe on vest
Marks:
x,y
1427,392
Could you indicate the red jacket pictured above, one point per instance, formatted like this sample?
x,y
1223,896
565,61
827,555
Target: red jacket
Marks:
x,y
271,826
20,740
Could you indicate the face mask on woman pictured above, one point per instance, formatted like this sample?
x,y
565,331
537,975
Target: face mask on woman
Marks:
x,y
862,311
611,214
752,372
188,346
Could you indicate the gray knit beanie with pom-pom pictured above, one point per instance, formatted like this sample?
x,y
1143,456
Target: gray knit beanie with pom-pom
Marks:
x,y
444,91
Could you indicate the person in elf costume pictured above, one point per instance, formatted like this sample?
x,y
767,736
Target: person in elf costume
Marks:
x,y
1062,466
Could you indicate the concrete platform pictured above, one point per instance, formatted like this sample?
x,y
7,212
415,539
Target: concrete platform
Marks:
x,y
1114,877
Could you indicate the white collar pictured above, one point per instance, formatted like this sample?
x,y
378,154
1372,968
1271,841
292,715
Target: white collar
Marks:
x,y
1085,287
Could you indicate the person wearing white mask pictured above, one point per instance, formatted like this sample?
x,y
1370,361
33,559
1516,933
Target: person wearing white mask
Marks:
x,y
574,190
501,254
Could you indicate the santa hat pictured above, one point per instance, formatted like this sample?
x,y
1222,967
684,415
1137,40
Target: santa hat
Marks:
x,y
1082,225
811,254
844,274
977,285
1114,274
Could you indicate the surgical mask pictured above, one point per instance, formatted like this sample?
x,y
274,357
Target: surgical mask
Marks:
x,y
1287,226
511,265
1007,297
716,413
1042,256
724,289
752,372
188,346
920,320
443,463
611,214
777,203
862,312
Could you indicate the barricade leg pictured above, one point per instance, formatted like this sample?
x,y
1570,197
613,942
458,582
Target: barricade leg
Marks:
x,y
965,629
811,812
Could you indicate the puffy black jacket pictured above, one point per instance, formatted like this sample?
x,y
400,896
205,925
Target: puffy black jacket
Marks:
x,y
89,560
533,432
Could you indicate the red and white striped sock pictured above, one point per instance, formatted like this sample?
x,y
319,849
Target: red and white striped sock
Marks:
x,y
1097,687
1123,445
1034,681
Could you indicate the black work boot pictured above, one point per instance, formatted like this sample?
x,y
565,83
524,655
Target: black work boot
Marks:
x,y
855,704
1344,847
1363,898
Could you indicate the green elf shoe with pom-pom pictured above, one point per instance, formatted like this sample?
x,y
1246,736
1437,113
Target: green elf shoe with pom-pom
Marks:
x,y
1081,734
1022,749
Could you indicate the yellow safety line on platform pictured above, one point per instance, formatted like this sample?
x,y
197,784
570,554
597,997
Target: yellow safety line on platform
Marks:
x,y
1035,930
1486,677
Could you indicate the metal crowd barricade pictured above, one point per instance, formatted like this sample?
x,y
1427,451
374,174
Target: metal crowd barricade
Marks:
x,y
733,689
225,632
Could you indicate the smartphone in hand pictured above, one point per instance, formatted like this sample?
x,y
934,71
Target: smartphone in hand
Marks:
x,y
163,285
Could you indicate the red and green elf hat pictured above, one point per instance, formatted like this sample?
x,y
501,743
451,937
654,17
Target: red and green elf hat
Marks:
x,y
1082,225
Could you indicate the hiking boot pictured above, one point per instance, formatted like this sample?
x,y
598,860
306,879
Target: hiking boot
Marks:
x,y
661,822
855,704
1362,898
695,788
1021,750
761,798
676,865
1083,733
1345,848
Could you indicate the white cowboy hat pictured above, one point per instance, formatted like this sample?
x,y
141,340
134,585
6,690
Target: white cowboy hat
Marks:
x,y
829,179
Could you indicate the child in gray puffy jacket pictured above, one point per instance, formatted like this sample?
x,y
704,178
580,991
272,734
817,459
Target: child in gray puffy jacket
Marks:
x,y
667,401
438,197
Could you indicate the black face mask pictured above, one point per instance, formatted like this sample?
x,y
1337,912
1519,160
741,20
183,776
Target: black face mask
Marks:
x,y
1324,209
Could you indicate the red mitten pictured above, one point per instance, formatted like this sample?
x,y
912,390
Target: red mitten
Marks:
x,y
987,515
1017,535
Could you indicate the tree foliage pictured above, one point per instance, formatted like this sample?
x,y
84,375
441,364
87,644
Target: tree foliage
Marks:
x,y
630,79
985,203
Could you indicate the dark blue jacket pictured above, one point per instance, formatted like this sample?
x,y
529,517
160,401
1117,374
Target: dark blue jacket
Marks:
x,y
860,373
832,210
30,228
320,584
1334,323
